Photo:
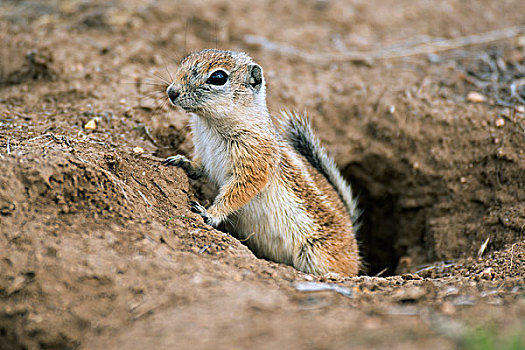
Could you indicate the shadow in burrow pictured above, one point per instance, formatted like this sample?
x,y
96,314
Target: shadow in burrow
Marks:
x,y
394,200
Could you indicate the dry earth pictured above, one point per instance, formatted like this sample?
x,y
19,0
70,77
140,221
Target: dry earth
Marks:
x,y
98,247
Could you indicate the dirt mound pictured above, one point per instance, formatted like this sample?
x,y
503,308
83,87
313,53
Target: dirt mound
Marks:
x,y
98,247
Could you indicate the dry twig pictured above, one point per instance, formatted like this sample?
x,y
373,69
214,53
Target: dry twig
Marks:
x,y
381,272
395,51
139,182
483,247
148,204
159,188
436,266
122,188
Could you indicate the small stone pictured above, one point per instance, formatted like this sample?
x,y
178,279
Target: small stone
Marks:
x,y
463,300
520,109
462,180
500,122
91,125
138,150
476,97
410,294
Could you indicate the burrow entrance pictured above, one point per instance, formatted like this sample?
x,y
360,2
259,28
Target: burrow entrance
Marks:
x,y
393,217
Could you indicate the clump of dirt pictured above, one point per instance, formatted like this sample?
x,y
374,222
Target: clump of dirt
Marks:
x,y
98,247
38,66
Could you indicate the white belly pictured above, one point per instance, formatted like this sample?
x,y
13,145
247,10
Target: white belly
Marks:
x,y
273,223
211,148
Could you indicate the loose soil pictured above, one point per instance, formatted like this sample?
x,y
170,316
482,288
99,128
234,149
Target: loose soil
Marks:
x,y
98,247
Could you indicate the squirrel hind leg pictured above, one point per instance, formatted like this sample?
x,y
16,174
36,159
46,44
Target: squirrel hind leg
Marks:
x,y
327,256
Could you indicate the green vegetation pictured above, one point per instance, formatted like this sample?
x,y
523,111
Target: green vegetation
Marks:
x,y
488,338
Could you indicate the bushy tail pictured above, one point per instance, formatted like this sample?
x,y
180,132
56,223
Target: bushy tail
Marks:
x,y
298,132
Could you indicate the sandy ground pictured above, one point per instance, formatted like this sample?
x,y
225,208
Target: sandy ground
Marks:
x,y
98,247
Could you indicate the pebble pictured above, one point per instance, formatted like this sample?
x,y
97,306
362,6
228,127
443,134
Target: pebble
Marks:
x,y
476,97
138,150
500,122
410,294
91,125
318,287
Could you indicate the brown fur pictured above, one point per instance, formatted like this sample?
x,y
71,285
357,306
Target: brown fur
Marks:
x,y
251,165
333,239
233,120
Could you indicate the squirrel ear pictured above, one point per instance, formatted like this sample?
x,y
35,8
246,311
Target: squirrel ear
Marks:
x,y
255,77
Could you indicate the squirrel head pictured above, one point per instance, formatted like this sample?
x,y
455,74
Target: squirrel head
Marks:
x,y
215,84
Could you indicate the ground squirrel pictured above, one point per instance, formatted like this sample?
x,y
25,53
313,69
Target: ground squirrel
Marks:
x,y
278,189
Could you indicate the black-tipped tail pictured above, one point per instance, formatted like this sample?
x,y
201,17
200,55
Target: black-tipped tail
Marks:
x,y
299,133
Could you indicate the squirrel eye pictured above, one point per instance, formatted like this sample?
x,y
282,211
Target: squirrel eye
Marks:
x,y
219,77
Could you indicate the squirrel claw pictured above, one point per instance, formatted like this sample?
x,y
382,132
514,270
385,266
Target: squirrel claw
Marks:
x,y
185,164
199,209
177,160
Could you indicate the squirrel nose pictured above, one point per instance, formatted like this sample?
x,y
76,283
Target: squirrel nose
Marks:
x,y
173,92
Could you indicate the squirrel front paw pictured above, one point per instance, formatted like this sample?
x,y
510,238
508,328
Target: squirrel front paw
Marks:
x,y
208,219
180,161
